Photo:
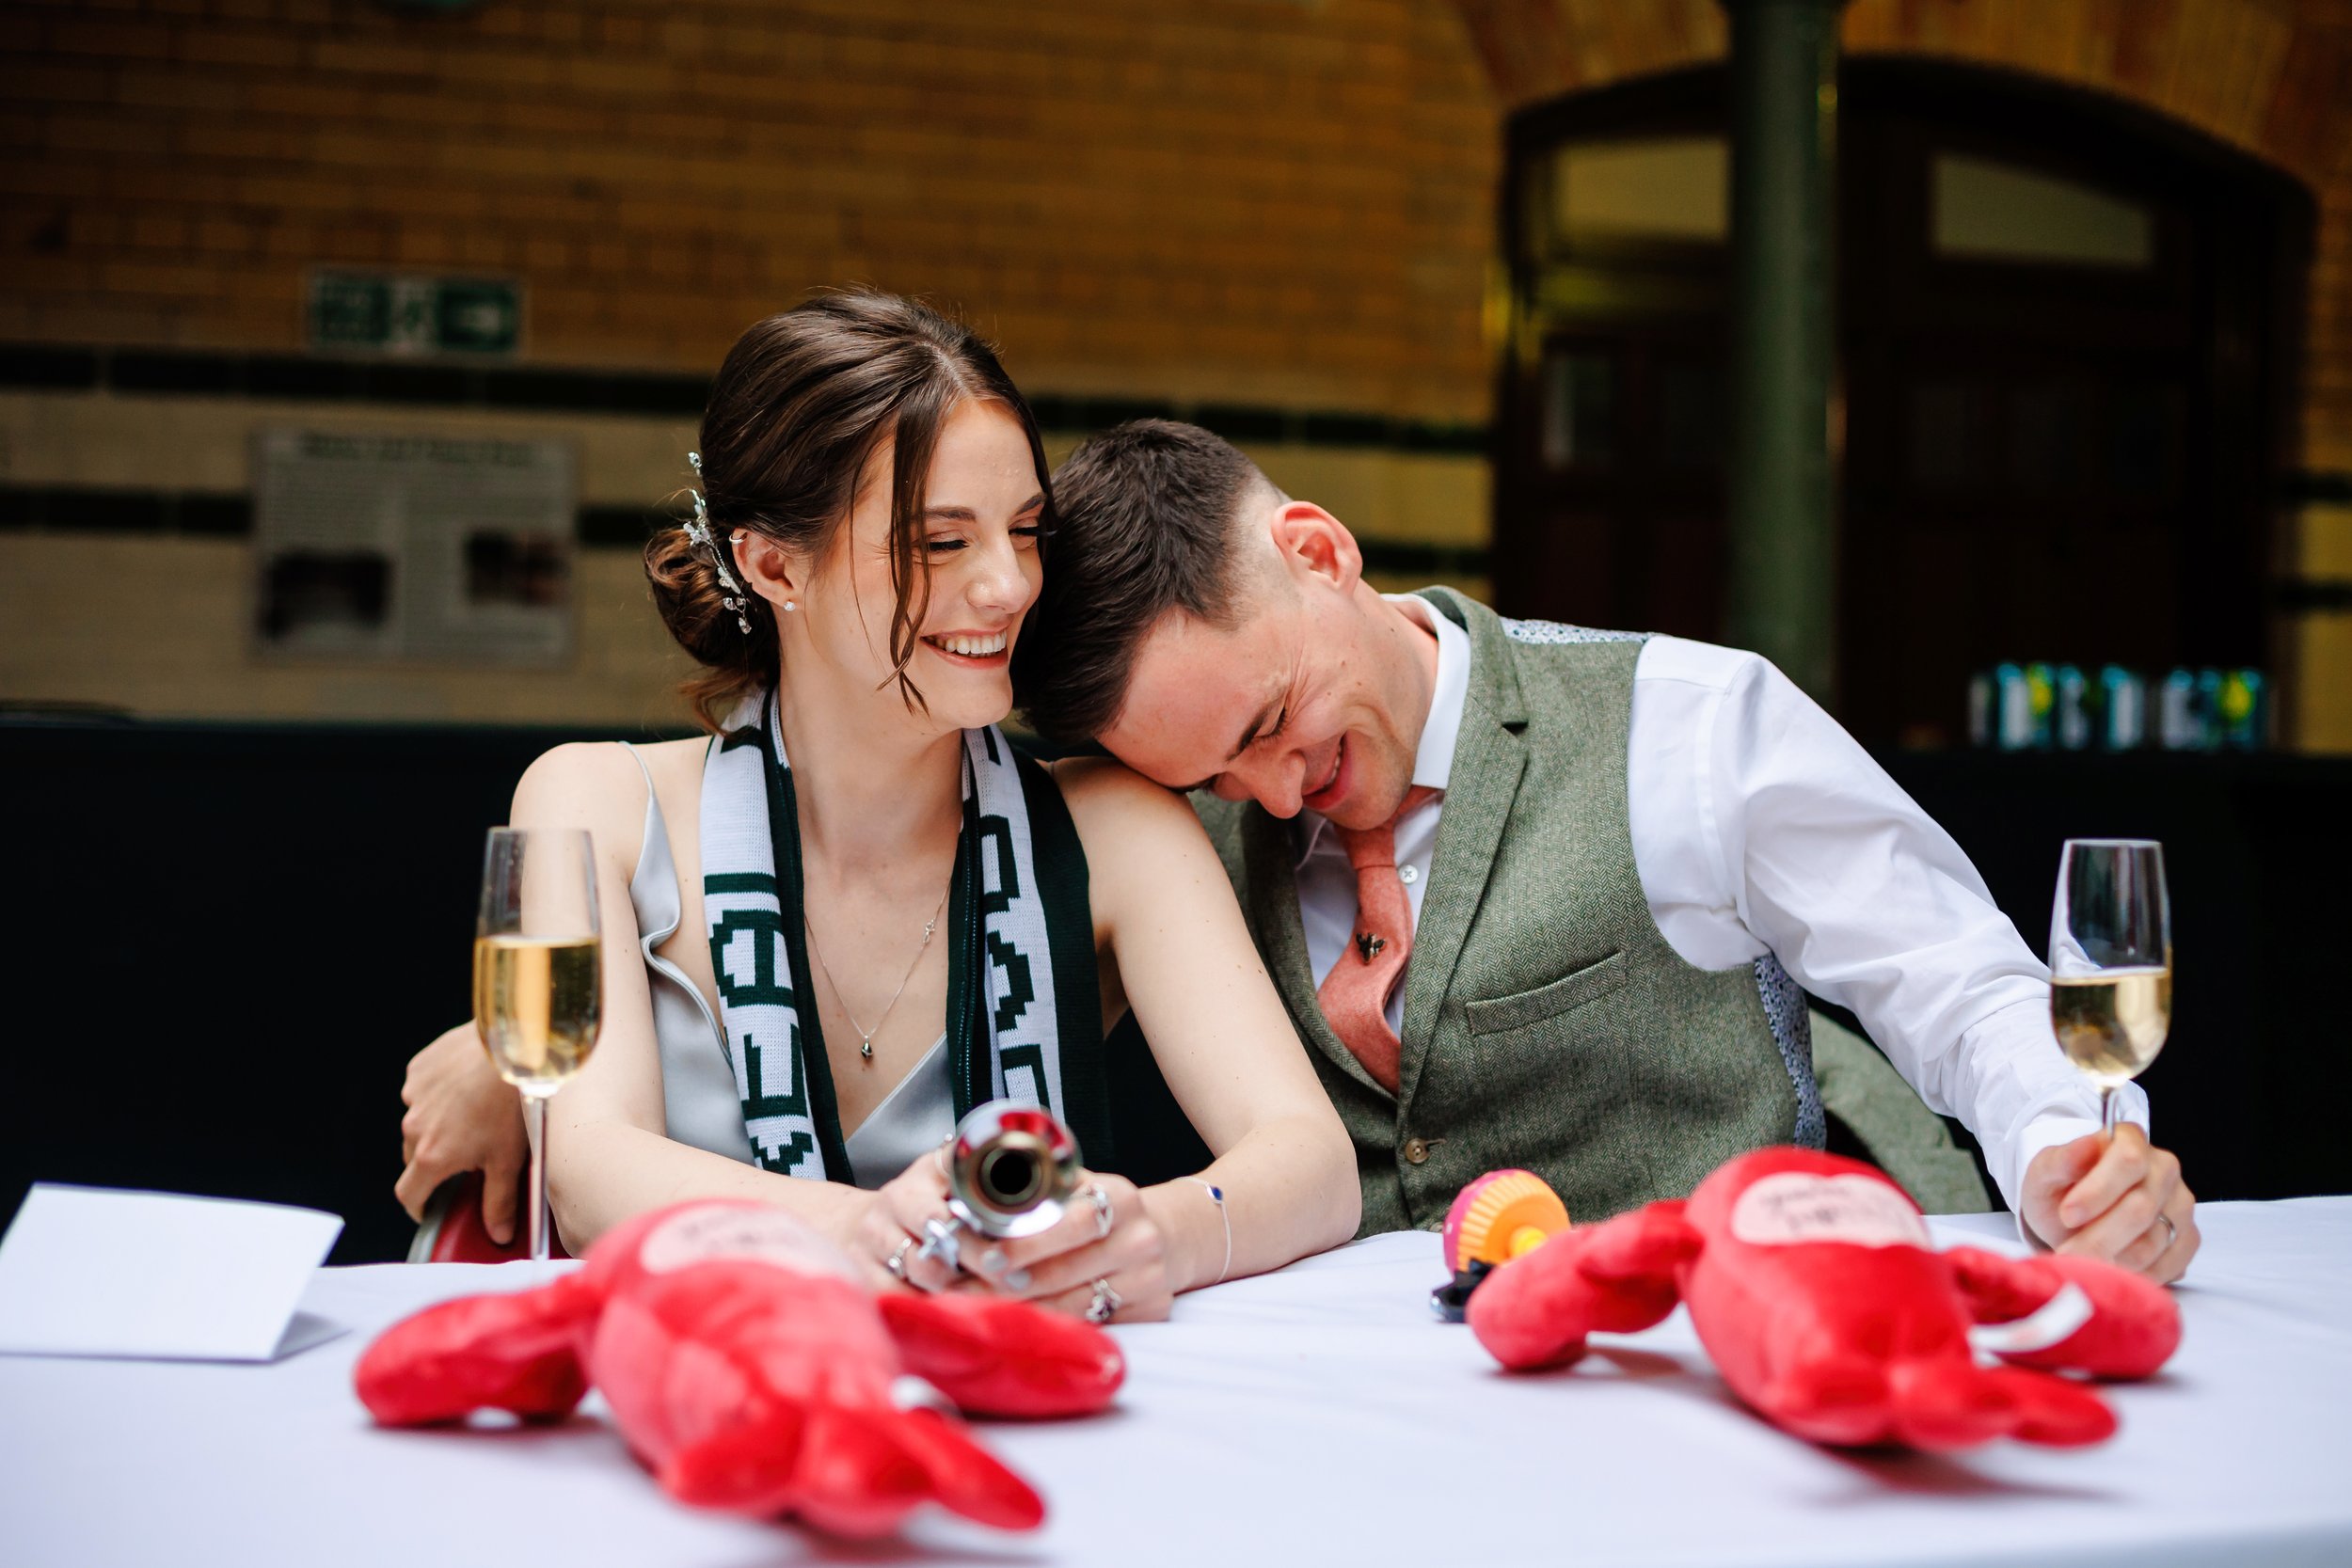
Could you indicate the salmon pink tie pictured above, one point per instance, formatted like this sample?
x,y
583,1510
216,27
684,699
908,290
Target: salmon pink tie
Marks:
x,y
1354,995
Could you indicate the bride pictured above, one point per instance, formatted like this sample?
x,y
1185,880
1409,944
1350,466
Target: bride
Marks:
x,y
854,911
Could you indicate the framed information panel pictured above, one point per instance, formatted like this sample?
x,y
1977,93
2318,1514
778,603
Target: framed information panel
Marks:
x,y
413,548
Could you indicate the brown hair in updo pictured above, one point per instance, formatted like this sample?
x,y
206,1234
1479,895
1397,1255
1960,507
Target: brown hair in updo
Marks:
x,y
794,416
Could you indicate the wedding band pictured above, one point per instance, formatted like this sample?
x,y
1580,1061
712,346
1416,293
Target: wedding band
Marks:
x,y
1102,1201
1107,1301
897,1262
2171,1231
939,1241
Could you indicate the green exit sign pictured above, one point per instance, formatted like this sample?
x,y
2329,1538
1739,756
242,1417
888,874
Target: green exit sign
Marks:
x,y
366,312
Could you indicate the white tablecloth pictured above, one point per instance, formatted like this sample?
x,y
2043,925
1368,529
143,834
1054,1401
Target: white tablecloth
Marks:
x,y
1316,1416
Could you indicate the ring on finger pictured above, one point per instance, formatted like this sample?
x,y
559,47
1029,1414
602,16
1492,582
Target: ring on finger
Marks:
x,y
2171,1231
1105,1302
897,1262
1102,1201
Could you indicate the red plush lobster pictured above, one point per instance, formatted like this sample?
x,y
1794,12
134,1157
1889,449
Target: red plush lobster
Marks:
x,y
1812,1283
752,1371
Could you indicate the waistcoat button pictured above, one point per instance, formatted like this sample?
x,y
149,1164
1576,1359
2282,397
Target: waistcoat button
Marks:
x,y
1416,1150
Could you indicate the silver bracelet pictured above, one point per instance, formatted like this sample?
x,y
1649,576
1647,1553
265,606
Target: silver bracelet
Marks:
x,y
1217,1195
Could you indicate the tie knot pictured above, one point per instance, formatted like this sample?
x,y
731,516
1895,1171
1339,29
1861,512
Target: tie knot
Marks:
x,y
1377,847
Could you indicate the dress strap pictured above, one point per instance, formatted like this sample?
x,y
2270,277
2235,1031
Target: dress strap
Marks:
x,y
653,885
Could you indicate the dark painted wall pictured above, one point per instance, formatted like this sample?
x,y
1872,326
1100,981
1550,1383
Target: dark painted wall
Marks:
x,y
223,943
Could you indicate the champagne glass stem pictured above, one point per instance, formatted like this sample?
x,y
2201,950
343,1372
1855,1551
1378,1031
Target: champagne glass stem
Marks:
x,y
535,1112
2109,1115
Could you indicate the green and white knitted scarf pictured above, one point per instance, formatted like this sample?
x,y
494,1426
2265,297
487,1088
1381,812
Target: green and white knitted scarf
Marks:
x,y
1003,1004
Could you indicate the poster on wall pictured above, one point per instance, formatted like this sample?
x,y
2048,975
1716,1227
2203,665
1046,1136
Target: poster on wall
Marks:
x,y
413,549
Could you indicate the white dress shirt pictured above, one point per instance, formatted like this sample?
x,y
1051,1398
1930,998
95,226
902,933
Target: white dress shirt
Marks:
x,y
1760,824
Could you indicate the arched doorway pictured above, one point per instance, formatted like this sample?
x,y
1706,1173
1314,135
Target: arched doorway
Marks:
x,y
2067,374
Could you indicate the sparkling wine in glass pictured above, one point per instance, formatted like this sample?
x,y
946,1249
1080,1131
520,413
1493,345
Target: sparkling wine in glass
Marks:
x,y
536,983
2111,960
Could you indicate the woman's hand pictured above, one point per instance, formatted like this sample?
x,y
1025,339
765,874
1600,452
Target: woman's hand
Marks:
x,y
1110,1237
1115,1241
461,1117
892,1226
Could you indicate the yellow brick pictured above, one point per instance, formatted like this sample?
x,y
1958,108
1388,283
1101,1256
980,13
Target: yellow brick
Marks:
x,y
297,193
159,231
110,38
160,277
125,134
241,46
373,57
2320,707
2326,542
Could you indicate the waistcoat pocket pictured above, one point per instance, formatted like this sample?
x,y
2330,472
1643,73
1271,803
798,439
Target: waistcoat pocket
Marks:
x,y
1547,1001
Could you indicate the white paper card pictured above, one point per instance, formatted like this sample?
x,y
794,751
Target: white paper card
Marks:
x,y
86,1271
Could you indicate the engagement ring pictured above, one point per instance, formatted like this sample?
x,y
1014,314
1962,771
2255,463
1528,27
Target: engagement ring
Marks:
x,y
897,1262
1107,1301
1102,1201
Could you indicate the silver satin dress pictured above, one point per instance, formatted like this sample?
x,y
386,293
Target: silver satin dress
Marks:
x,y
700,1104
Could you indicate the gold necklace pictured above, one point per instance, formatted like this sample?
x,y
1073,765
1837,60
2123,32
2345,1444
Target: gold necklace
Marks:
x,y
866,1036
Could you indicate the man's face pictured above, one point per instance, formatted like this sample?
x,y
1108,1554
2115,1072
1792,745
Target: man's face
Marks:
x,y
1316,698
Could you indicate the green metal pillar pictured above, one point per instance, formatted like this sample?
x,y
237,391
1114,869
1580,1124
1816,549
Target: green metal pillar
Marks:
x,y
1782,558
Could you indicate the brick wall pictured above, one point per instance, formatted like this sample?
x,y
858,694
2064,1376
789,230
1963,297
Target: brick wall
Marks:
x,y
1286,204
1283,203
1264,200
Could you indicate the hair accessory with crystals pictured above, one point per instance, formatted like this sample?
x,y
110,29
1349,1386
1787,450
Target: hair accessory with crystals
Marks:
x,y
698,529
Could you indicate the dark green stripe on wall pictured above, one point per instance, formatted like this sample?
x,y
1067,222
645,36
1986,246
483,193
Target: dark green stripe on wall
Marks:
x,y
40,367
70,509
2319,487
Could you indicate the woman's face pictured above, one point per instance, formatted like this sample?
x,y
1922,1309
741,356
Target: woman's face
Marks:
x,y
982,507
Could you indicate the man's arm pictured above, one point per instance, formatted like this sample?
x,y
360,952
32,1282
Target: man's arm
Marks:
x,y
461,1117
1775,823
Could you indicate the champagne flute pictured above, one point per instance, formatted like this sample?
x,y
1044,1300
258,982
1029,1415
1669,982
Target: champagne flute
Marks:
x,y
536,983
2111,960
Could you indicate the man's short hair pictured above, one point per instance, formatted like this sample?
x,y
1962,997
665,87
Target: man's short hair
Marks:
x,y
1146,520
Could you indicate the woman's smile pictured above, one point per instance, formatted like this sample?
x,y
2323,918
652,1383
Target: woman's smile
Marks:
x,y
979,650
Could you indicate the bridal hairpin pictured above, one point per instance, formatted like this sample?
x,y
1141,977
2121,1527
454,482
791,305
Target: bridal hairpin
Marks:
x,y
698,529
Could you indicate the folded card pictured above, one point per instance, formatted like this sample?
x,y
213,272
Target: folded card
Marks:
x,y
88,1271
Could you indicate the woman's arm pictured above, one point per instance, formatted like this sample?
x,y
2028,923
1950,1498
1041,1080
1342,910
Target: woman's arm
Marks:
x,y
1166,914
608,1156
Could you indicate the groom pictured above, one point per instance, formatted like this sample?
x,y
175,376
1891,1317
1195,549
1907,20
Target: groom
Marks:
x,y
1544,897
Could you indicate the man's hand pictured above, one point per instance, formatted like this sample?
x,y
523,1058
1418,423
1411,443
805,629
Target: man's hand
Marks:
x,y
2123,1202
461,1117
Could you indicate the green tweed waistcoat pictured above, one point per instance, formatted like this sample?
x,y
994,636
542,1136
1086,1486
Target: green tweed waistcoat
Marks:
x,y
1548,1024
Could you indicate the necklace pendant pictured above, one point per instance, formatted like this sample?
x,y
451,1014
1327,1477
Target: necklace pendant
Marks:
x,y
866,1050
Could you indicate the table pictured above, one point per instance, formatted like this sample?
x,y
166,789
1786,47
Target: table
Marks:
x,y
1315,1416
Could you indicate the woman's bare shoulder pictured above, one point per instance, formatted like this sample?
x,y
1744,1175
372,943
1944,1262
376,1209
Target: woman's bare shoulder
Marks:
x,y
1107,784
674,764
606,766
599,786
1117,812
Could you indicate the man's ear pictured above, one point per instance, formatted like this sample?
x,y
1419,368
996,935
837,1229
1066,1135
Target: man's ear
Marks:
x,y
769,570
1318,544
